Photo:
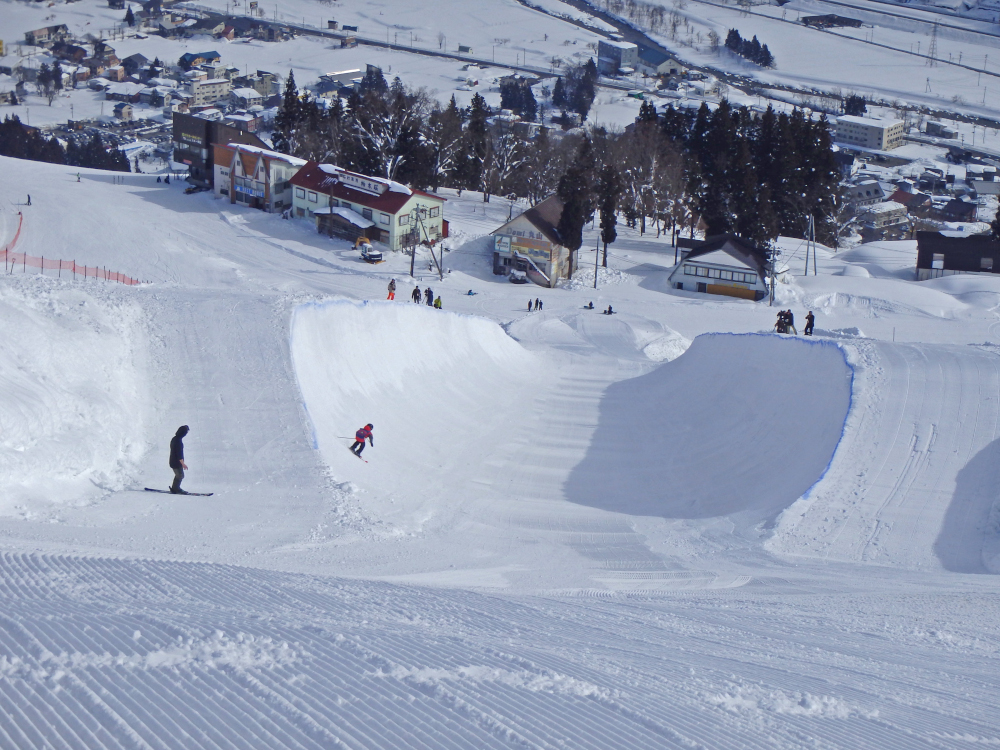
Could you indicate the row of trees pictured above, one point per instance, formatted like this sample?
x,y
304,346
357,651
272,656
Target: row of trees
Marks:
x,y
754,175
749,49
28,143
50,80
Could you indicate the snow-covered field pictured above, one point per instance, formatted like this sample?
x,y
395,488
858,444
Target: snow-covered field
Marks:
x,y
664,528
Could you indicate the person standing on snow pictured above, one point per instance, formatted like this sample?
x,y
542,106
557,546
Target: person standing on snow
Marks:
x,y
810,320
392,289
429,297
416,294
360,437
177,459
437,303
790,318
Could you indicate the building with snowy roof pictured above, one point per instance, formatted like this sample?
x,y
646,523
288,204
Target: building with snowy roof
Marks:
x,y
869,132
531,243
254,177
885,214
244,98
727,265
401,216
613,56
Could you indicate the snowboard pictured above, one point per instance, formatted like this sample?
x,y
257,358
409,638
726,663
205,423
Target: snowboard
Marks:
x,y
182,492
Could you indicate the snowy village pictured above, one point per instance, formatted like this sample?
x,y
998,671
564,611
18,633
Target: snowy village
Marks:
x,y
596,374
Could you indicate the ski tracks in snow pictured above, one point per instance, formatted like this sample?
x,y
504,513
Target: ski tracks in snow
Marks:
x,y
104,653
912,483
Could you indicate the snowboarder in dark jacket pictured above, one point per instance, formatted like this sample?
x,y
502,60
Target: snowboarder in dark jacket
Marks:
x,y
810,320
416,294
360,437
177,459
429,297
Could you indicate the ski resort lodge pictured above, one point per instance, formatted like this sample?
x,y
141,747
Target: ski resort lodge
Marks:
x,y
254,177
530,243
726,265
349,204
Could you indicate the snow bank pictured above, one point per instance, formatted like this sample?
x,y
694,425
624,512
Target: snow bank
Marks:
x,y
72,401
739,424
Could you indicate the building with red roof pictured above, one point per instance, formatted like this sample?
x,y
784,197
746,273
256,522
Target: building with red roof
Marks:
x,y
399,216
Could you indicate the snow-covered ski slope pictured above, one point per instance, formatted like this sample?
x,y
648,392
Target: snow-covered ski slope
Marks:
x,y
663,528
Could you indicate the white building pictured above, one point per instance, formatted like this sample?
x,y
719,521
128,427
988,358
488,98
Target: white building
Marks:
x,y
726,265
613,56
208,91
388,205
868,132
254,177
881,215
245,98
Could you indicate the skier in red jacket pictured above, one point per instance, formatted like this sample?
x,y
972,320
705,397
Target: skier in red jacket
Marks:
x,y
360,437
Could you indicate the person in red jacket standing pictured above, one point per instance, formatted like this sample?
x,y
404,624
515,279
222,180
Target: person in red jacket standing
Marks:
x,y
365,433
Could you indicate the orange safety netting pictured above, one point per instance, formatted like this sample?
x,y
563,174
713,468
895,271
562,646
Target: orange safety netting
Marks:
x,y
21,261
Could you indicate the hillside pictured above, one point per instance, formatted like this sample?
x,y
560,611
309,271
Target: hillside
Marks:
x,y
669,527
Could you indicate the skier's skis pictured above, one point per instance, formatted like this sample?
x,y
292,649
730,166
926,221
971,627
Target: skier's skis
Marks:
x,y
355,454
182,492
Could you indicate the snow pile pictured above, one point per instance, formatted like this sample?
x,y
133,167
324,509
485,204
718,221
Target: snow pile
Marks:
x,y
720,431
72,402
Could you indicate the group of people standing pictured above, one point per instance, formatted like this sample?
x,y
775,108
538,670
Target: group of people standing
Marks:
x,y
416,296
786,323
535,304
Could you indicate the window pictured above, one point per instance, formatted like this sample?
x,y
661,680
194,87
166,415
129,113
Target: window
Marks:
x,y
345,204
702,272
404,220
986,264
727,275
383,218
312,197
714,273
689,270
300,193
436,211
367,213
937,261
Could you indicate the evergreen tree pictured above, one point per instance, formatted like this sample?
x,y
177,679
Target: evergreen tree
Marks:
x,y
855,105
288,118
608,189
766,58
43,80
475,148
734,41
675,124
577,197
559,93
444,136
717,165
129,17
57,76
373,81
647,112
